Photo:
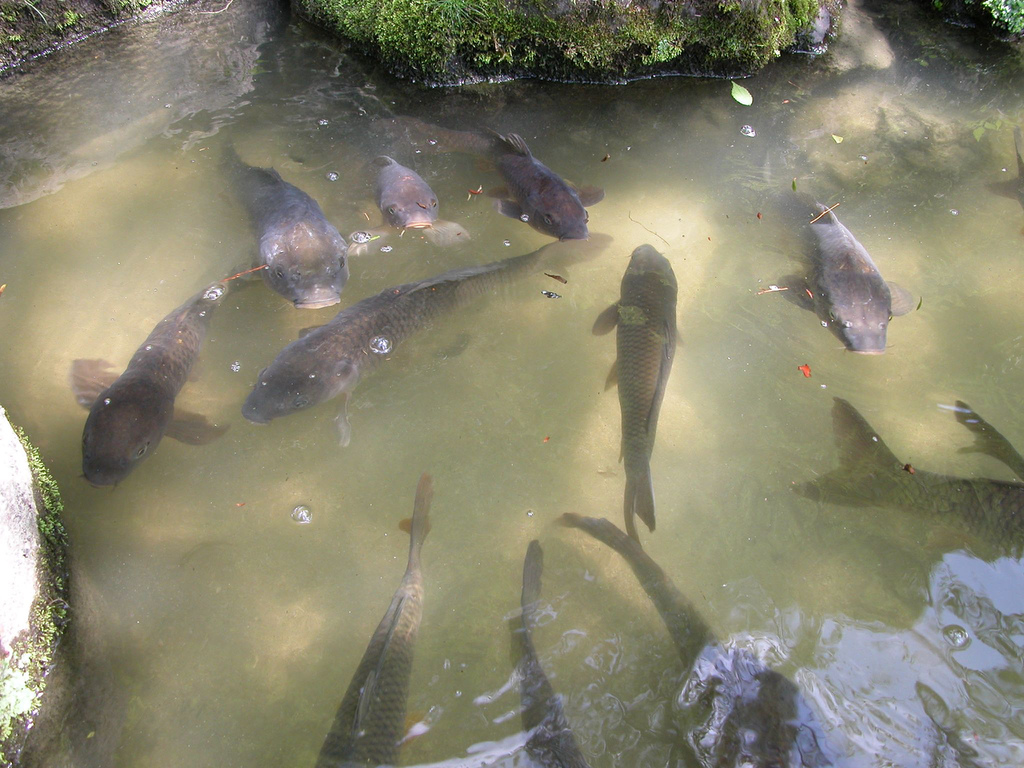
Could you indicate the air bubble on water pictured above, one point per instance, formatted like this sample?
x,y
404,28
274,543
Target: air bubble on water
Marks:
x,y
432,142
447,664
167,106
748,131
864,158
106,401
302,515
236,366
332,176
385,249
360,237
525,217
529,513
214,292
956,636
458,694
954,211
323,121
380,345
507,243
149,347
312,375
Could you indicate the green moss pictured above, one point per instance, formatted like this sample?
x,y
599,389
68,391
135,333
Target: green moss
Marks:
x,y
448,40
1006,16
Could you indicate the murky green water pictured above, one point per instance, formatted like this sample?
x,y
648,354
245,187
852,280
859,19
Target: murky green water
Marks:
x,y
220,632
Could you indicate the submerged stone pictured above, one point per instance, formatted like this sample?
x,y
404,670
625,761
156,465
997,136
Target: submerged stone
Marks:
x,y
454,41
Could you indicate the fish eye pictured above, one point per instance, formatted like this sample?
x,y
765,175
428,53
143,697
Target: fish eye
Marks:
x,y
433,203
391,210
142,451
547,218
890,318
832,315
301,401
279,272
341,261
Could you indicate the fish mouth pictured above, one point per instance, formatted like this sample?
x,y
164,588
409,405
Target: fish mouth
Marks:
x,y
419,225
252,414
869,351
317,303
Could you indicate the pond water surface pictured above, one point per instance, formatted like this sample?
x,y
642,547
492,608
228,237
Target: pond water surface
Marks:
x,y
221,632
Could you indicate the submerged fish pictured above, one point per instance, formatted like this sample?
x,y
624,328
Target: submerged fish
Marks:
x,y
330,360
1014,188
846,290
306,258
551,743
370,721
738,711
532,193
128,414
869,474
645,316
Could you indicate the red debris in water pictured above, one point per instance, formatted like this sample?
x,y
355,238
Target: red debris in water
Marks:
x,y
805,369
759,214
239,503
603,159
546,439
908,468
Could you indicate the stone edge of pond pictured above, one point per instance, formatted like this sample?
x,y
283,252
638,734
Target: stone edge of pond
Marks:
x,y
452,42
1004,19
33,28
23,674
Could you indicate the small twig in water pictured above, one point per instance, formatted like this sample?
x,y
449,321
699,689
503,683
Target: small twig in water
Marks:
x,y
211,13
254,269
666,242
827,210
773,289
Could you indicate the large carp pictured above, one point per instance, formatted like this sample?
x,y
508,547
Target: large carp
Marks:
x,y
330,360
370,721
306,258
645,319
551,743
128,414
845,288
870,474
739,711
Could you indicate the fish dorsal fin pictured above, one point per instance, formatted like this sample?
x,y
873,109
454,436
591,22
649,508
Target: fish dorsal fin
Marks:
x,y
612,379
606,321
901,300
589,195
857,442
517,144
304,332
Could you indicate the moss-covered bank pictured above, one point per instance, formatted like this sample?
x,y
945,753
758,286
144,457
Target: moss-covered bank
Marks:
x,y
1004,17
25,664
450,41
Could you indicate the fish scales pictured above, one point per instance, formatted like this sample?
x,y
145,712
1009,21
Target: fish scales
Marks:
x,y
370,721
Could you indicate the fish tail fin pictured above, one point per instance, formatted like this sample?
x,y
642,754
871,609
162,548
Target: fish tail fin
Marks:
x,y
420,516
988,439
639,498
606,532
867,468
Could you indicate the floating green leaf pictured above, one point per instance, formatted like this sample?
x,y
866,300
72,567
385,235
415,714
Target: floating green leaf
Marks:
x,y
742,95
794,185
979,132
920,303
837,139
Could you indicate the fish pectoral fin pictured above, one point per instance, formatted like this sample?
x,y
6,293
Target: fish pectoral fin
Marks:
x,y
590,195
342,424
612,380
445,234
902,300
366,693
499,193
193,428
517,144
798,291
304,332
606,321
508,208
89,378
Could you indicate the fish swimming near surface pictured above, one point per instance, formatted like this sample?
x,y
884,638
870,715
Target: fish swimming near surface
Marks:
x,y
551,743
407,202
532,192
306,258
737,710
1014,188
645,319
846,290
869,474
329,361
128,414
370,721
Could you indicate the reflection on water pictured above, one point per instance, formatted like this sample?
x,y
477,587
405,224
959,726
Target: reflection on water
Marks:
x,y
222,631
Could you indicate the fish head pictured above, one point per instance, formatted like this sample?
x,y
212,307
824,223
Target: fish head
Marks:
x,y
297,379
861,320
124,426
307,263
406,200
649,268
557,211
